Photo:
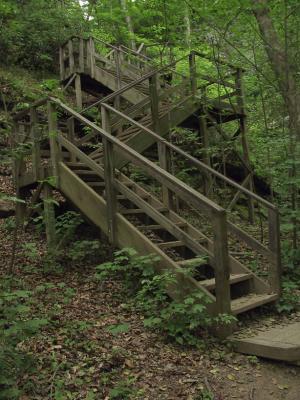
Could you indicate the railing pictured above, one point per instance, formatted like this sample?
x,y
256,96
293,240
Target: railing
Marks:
x,y
170,185
82,55
112,146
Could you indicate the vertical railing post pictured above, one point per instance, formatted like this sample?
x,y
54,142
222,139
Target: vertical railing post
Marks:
x,y
154,98
71,135
221,262
17,171
71,56
164,158
109,178
243,129
193,78
53,132
49,216
274,245
92,56
81,55
36,148
78,91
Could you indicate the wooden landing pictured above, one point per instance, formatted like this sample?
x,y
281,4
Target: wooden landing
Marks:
x,y
278,343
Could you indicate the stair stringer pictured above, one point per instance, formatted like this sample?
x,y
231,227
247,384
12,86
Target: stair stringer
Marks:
x,y
93,206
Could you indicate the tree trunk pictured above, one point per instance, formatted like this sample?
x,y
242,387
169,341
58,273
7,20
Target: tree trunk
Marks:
x,y
187,23
279,62
129,23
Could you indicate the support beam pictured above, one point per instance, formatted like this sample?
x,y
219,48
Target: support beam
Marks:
x,y
164,162
78,92
49,216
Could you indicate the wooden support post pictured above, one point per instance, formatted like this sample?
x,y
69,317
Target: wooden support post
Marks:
x,y
205,142
71,57
71,135
153,88
274,245
118,78
222,269
81,55
193,77
92,56
164,162
53,132
243,131
49,216
78,91
110,194
36,148
105,119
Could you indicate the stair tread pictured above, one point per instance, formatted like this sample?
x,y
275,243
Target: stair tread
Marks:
x,y
192,262
167,245
234,278
250,301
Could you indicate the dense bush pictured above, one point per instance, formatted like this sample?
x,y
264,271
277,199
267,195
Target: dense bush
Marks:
x,y
32,30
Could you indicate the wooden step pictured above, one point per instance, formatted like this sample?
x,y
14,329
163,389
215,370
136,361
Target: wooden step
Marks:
x,y
167,245
192,262
96,184
75,165
85,172
210,284
251,301
140,211
132,211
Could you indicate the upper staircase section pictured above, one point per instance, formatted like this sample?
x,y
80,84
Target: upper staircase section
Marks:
x,y
104,68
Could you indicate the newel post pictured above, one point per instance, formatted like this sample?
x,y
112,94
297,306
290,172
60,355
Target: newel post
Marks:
x,y
109,178
164,158
153,88
71,56
221,262
53,133
275,271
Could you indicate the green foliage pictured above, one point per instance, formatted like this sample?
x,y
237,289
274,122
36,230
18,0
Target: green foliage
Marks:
x,y
16,325
31,31
180,319
290,298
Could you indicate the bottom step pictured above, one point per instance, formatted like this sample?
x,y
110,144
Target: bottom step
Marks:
x,y
253,300
276,342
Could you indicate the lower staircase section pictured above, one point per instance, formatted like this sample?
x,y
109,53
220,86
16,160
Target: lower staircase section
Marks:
x,y
144,223
132,216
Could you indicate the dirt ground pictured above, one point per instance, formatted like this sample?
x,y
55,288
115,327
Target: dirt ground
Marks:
x,y
80,357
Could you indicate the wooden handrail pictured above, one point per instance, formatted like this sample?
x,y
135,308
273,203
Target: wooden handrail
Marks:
x,y
192,159
181,189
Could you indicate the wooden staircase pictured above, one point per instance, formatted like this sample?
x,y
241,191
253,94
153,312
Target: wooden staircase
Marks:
x,y
202,255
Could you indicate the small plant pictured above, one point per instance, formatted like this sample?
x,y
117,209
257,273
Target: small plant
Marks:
x,y
178,319
16,325
290,298
122,390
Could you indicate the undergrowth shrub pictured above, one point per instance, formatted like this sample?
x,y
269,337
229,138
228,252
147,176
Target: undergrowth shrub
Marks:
x,y
16,325
178,319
